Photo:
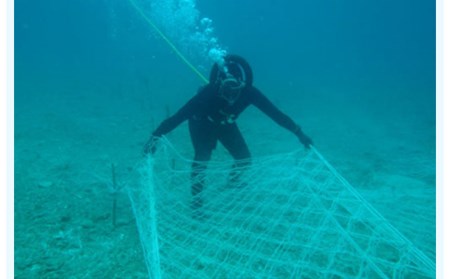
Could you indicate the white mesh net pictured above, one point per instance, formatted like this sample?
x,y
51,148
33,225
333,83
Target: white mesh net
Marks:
x,y
288,216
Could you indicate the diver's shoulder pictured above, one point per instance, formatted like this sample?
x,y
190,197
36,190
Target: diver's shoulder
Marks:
x,y
252,90
205,89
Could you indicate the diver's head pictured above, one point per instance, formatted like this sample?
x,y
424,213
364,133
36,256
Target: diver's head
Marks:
x,y
231,77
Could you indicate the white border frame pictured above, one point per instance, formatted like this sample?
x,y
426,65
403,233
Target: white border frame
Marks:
x,y
7,142
442,137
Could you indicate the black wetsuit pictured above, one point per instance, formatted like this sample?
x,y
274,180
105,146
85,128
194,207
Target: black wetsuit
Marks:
x,y
211,119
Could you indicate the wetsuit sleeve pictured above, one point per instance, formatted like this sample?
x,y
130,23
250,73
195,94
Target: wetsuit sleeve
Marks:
x,y
181,115
266,106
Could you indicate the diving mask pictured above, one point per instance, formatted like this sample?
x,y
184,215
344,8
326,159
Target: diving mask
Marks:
x,y
230,88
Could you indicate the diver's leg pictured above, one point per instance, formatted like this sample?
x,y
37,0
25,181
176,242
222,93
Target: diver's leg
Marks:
x,y
198,181
231,138
204,140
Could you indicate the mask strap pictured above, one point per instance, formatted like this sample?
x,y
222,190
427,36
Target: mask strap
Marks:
x,y
227,73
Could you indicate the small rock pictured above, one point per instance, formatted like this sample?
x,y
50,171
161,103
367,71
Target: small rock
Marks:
x,y
65,218
87,224
45,184
102,217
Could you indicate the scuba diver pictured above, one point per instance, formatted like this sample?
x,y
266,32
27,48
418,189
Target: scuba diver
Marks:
x,y
212,115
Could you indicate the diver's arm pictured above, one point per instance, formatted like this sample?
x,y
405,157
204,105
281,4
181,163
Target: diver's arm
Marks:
x,y
173,121
266,106
169,124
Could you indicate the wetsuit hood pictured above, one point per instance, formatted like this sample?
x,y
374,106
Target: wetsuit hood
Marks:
x,y
234,66
231,78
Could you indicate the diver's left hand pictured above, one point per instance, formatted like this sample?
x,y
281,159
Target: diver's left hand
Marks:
x,y
305,140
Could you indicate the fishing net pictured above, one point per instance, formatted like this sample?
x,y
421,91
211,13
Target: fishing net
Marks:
x,y
284,216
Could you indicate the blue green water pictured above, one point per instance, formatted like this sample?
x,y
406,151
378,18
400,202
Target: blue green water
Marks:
x,y
92,79
377,43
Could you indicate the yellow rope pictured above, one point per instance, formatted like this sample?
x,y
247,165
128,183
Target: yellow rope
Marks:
x,y
171,45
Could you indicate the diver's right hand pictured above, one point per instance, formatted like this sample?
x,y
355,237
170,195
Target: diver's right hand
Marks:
x,y
150,146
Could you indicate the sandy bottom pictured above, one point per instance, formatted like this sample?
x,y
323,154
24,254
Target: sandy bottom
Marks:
x,y
65,147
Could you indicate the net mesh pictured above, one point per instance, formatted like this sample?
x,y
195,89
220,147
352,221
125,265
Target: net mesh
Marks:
x,y
287,216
